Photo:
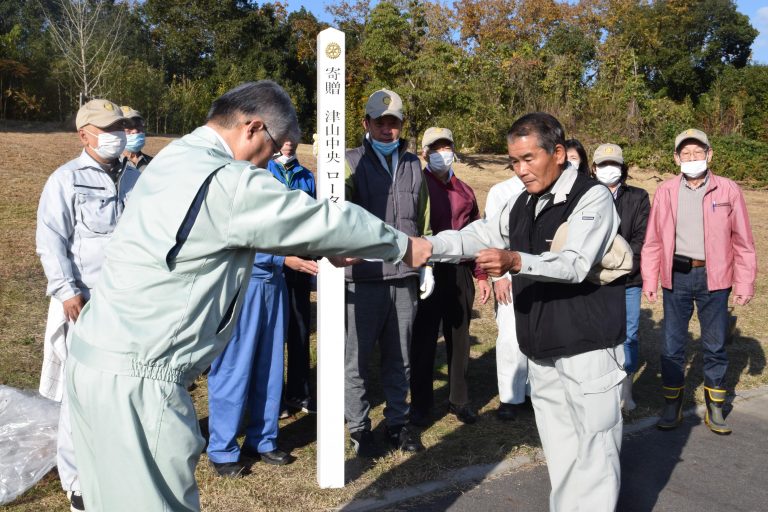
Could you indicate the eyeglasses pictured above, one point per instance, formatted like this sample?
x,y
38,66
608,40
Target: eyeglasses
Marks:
x,y
697,154
272,139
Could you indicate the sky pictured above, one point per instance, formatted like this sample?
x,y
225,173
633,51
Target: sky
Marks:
x,y
756,10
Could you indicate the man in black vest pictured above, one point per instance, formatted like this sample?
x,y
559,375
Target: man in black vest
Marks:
x,y
385,178
570,327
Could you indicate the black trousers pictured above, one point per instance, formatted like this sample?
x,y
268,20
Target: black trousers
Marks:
x,y
297,334
450,304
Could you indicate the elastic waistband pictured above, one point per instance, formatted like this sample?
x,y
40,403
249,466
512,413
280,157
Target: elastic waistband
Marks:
x,y
122,364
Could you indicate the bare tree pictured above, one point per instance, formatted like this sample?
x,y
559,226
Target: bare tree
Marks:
x,y
88,35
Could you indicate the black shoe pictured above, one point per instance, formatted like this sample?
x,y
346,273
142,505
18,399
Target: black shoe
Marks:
x,y
307,405
405,439
364,444
672,415
508,412
463,413
228,469
276,457
75,501
419,418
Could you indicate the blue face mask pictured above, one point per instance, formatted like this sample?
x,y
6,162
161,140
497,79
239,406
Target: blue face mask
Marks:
x,y
385,148
135,142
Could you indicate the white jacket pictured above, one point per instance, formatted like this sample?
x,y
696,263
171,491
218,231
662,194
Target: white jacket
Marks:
x,y
79,208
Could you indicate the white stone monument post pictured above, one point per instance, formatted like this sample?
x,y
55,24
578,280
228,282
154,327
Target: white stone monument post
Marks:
x,y
330,280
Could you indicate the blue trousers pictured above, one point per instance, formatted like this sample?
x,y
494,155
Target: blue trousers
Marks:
x,y
712,307
248,375
632,296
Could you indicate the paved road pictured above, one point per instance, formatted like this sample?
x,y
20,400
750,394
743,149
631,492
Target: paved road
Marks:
x,y
686,470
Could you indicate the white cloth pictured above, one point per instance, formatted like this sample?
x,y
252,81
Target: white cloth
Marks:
x,y
58,330
503,194
511,363
58,335
576,400
65,449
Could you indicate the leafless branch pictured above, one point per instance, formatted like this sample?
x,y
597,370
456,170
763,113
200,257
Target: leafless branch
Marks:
x,y
88,36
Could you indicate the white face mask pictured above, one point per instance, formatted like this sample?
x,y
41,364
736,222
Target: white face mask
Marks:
x,y
608,175
111,144
575,162
694,169
285,159
441,161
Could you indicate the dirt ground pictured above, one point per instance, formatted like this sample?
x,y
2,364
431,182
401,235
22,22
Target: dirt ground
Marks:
x,y
28,156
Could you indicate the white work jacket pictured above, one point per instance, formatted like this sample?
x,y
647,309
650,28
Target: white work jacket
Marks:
x,y
78,211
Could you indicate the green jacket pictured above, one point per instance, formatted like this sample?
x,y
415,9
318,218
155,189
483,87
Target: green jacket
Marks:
x,y
166,300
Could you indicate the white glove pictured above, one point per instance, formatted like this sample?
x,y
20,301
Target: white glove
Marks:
x,y
426,282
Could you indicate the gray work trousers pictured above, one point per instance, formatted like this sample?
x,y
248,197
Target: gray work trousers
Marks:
x,y
576,401
378,312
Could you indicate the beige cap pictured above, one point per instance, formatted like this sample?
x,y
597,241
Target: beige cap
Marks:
x,y
384,103
608,153
617,261
131,113
99,113
434,134
694,134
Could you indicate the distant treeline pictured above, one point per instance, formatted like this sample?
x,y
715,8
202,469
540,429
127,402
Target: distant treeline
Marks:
x,y
633,72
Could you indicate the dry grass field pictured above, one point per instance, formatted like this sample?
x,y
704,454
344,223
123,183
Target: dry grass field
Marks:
x,y
29,154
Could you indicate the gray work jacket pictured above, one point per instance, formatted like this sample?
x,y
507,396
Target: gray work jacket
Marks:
x,y
78,211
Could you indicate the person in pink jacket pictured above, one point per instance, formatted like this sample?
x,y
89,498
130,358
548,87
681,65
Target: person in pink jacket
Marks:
x,y
699,242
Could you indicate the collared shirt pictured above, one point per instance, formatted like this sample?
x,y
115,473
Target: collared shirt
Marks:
x,y
689,227
592,226
293,175
220,139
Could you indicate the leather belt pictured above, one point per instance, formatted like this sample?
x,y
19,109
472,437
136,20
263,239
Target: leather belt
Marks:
x,y
698,263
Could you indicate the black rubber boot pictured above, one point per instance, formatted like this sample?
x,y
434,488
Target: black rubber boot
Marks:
x,y
715,399
672,415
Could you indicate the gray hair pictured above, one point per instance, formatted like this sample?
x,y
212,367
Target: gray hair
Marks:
x,y
264,99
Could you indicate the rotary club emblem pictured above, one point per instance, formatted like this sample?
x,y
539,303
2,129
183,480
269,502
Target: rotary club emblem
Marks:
x,y
333,50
